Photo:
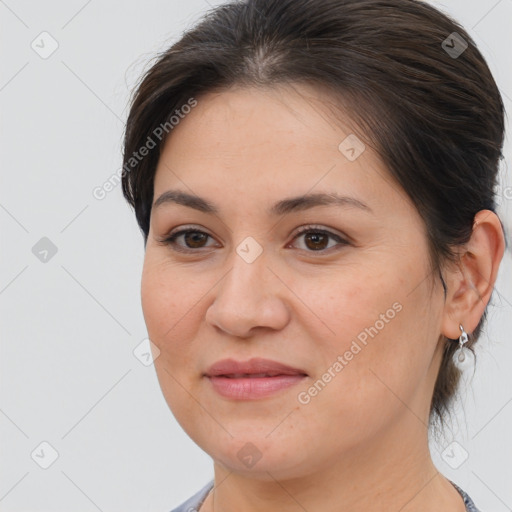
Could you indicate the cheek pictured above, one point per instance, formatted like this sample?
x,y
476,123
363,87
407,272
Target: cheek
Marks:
x,y
156,301
389,372
345,301
371,319
167,300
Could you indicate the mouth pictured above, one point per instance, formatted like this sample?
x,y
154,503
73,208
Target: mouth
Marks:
x,y
250,375
253,379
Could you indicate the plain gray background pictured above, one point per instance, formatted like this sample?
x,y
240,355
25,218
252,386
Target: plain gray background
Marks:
x,y
70,323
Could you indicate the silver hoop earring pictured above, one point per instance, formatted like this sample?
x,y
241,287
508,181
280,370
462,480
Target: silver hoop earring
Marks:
x,y
463,357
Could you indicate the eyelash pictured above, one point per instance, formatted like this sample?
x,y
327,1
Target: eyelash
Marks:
x,y
171,239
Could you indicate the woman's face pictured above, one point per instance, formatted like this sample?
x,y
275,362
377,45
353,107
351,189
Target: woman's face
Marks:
x,y
349,306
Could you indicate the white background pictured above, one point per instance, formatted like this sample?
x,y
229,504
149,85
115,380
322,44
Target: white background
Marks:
x,y
69,326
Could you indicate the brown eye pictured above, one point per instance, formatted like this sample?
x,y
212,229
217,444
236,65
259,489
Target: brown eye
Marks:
x,y
192,239
317,240
195,239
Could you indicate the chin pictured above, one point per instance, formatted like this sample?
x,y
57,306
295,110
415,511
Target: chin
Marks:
x,y
255,456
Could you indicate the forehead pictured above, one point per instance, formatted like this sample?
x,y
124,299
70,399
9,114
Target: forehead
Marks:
x,y
256,142
244,118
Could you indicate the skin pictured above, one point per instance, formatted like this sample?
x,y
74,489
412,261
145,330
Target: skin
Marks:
x,y
361,444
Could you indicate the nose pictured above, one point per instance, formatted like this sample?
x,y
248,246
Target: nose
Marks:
x,y
249,297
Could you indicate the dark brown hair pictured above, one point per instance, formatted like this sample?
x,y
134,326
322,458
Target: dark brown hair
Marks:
x,y
426,103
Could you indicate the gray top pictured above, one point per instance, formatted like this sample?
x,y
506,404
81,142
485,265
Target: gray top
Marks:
x,y
194,503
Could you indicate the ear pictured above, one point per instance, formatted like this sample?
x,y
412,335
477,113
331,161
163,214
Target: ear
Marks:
x,y
470,283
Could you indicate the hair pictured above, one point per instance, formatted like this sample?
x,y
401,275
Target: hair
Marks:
x,y
436,119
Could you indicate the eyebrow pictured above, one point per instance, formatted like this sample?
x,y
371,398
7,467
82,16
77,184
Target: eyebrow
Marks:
x,y
283,207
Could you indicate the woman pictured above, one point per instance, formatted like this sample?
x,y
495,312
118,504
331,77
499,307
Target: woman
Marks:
x,y
315,181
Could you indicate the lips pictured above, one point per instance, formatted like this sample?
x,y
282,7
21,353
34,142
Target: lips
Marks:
x,y
254,368
252,380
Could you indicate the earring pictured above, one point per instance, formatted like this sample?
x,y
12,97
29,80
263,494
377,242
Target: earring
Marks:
x,y
463,357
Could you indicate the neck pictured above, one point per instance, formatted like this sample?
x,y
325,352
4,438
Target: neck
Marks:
x,y
394,472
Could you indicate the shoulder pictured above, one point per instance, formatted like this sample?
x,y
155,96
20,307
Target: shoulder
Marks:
x,y
194,502
470,505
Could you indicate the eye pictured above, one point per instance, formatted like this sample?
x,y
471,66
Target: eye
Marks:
x,y
317,239
193,239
